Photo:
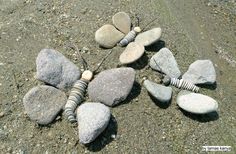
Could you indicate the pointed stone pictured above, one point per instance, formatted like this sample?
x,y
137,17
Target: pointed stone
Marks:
x,y
165,62
93,119
149,37
132,52
122,21
111,87
201,72
108,36
196,103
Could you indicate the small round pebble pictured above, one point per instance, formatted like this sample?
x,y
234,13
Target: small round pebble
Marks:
x,y
122,21
108,36
131,53
43,103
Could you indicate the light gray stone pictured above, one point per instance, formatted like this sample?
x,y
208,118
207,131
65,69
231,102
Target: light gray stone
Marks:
x,y
55,69
132,52
161,93
122,21
43,103
112,86
108,36
201,72
196,103
165,62
93,119
149,37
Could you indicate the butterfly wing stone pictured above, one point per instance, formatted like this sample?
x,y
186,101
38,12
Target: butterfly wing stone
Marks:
x,y
93,118
112,86
122,21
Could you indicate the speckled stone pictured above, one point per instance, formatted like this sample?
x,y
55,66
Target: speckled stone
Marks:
x,y
43,103
196,103
149,37
165,62
93,119
132,52
55,69
111,87
161,93
108,36
122,21
201,72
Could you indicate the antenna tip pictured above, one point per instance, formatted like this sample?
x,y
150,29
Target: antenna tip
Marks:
x,y
87,75
137,29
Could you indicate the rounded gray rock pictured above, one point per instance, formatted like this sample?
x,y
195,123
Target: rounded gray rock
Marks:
x,y
108,36
165,62
201,72
93,119
43,103
132,53
122,21
55,69
111,87
196,103
149,37
161,93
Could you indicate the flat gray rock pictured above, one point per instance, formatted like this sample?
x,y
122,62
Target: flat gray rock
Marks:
x,y
43,103
165,62
108,36
93,119
149,37
201,72
112,86
122,21
161,93
196,103
132,52
55,69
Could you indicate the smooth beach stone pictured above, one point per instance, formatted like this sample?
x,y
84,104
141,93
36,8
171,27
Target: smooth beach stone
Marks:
x,y
122,21
108,36
93,119
165,62
148,37
196,103
43,103
201,72
112,86
161,93
55,69
132,52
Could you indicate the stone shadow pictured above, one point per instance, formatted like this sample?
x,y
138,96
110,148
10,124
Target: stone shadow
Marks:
x,y
212,116
141,63
163,105
210,86
105,137
155,47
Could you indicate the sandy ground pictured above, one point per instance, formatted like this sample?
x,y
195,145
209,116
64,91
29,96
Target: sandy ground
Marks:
x,y
197,29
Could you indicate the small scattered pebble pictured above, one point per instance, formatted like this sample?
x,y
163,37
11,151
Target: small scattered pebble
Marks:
x,y
108,36
2,114
201,72
93,118
149,37
122,21
196,103
165,62
43,103
131,53
161,93
112,86
55,69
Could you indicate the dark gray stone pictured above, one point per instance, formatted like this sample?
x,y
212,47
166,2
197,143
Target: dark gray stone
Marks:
x,y
201,72
161,93
112,86
55,69
93,119
165,62
43,103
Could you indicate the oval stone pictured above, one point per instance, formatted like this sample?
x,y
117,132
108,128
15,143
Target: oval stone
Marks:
x,y
131,53
196,103
148,37
122,21
108,36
